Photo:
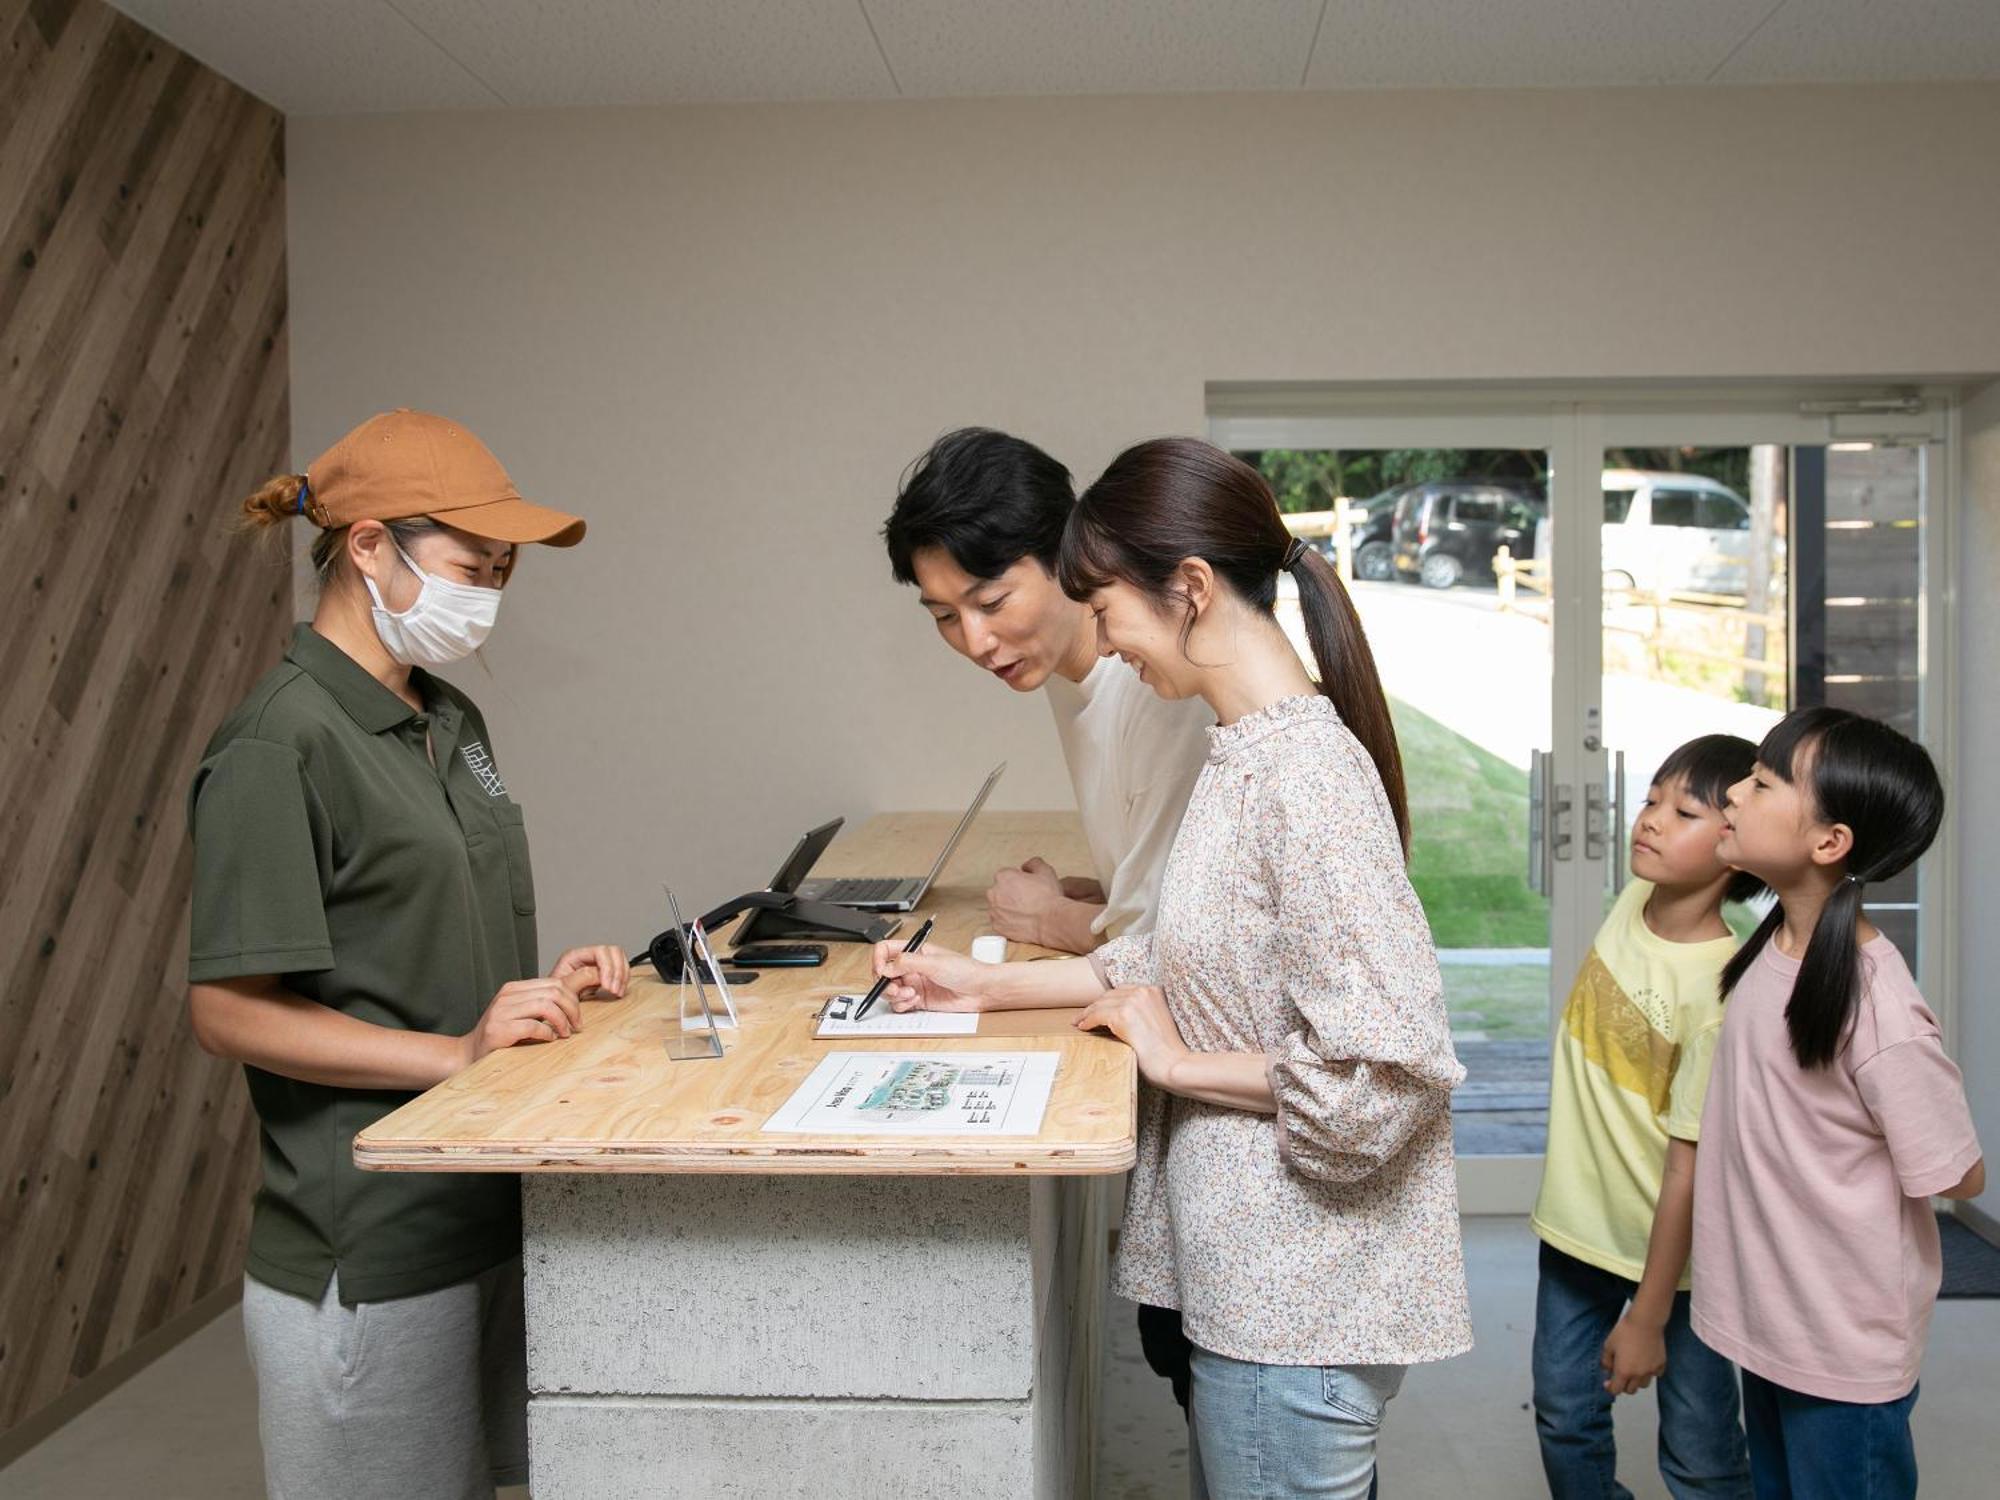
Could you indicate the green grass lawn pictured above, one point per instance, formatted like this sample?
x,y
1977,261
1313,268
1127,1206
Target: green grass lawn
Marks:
x,y
1468,839
1508,1002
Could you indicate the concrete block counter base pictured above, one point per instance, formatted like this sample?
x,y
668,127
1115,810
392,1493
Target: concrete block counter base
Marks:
x,y
761,1336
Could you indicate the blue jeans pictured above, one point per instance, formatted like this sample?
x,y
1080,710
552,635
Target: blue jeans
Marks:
x,y
1268,1432
1701,1439
1814,1448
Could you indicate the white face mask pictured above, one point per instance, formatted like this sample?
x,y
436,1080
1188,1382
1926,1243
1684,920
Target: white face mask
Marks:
x,y
447,623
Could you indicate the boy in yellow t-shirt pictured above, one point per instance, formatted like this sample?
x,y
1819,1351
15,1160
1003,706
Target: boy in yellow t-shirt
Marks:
x,y
1616,1208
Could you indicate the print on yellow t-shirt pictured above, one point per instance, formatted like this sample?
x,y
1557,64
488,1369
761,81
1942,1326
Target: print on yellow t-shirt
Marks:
x,y
1630,1069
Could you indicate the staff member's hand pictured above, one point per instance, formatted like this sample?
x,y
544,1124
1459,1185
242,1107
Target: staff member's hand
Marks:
x,y
528,1010
1137,1015
931,978
602,968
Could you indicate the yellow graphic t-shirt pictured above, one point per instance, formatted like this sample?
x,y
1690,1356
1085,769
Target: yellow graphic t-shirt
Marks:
x,y
1629,1069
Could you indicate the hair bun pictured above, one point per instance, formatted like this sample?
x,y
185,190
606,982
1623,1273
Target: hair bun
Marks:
x,y
275,500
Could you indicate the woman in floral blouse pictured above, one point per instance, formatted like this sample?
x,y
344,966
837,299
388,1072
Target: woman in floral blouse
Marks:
x,y
1294,1195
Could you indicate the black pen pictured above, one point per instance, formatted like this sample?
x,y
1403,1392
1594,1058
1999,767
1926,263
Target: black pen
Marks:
x,y
875,990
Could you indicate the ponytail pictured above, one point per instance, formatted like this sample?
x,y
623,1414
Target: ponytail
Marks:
x,y
1348,677
1884,788
275,501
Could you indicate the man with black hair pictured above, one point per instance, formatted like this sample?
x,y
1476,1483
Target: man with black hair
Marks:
x,y
976,527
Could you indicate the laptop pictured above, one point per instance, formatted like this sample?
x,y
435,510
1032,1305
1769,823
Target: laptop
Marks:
x,y
883,892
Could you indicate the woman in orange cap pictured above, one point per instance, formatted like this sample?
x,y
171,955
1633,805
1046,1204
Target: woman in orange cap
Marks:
x,y
363,928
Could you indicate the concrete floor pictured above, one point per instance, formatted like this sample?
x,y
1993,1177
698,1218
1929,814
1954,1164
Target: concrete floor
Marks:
x,y
185,1428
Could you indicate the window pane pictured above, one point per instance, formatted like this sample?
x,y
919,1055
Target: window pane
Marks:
x,y
1617,505
1674,508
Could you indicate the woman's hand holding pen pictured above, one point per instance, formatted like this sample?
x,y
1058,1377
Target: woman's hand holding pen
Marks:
x,y
933,978
1137,1015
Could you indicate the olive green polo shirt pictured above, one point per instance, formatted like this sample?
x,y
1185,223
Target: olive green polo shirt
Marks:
x,y
386,882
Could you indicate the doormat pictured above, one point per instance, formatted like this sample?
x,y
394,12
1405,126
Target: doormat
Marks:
x,y
1971,1266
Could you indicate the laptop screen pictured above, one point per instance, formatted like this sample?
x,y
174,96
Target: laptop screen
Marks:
x,y
805,854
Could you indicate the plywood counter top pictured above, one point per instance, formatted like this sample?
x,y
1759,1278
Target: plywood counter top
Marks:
x,y
609,1099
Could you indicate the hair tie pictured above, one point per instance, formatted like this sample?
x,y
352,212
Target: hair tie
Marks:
x,y
1855,880
305,494
1293,553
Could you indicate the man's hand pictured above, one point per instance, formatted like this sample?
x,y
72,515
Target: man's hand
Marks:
x,y
1020,902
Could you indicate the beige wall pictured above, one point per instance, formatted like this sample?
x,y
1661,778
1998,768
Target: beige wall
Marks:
x,y
720,333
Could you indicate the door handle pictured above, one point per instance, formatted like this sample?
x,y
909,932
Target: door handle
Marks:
x,y
1595,819
1538,831
1621,863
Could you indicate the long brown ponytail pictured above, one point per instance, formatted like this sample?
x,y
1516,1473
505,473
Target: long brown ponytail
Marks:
x,y
1170,499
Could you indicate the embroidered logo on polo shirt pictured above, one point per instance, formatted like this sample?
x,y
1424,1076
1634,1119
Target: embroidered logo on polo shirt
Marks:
x,y
483,770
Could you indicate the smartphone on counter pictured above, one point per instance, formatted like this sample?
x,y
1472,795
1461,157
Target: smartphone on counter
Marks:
x,y
780,956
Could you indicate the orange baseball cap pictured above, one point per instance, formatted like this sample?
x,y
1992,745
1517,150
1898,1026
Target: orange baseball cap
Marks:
x,y
405,463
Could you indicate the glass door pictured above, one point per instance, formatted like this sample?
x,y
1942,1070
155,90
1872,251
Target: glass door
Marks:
x,y
1558,591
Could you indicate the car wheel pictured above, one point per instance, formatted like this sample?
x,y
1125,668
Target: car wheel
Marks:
x,y
1374,563
1617,580
1441,571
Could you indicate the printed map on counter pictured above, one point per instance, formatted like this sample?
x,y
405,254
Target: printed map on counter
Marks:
x,y
900,1093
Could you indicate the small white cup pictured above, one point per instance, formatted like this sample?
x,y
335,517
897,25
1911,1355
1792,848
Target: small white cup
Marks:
x,y
989,948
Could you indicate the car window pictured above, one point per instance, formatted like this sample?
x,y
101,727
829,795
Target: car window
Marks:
x,y
1520,513
1676,507
1477,509
1723,513
1617,505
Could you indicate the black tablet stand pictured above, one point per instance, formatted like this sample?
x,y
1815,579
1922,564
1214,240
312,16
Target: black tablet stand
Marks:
x,y
776,914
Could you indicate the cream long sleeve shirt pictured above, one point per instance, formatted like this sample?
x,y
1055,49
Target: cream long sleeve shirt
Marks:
x,y
1133,758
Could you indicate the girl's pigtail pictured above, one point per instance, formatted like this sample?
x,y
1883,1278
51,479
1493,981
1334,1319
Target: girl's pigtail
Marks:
x,y
1829,984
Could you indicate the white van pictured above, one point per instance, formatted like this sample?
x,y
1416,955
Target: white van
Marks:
x,y
1670,533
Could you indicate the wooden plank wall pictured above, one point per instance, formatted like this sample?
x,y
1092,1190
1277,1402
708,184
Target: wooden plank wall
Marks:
x,y
142,392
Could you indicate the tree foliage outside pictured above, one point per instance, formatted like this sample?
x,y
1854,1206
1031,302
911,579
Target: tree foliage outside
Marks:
x,y
1313,478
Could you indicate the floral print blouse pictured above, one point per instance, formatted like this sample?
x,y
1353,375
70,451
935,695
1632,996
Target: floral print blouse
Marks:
x,y
1327,1234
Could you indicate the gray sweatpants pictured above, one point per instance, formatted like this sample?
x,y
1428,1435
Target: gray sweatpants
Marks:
x,y
425,1395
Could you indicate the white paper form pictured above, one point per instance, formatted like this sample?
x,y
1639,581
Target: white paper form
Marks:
x,y
905,1093
881,1021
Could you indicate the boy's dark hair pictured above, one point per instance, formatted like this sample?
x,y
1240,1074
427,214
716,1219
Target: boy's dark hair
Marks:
x,y
987,498
1708,767
1884,787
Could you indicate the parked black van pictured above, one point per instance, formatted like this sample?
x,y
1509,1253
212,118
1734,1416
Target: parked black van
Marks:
x,y
1447,530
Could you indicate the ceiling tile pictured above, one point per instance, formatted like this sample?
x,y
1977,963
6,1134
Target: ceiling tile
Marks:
x,y
308,58
944,48
612,52
1384,44
1869,40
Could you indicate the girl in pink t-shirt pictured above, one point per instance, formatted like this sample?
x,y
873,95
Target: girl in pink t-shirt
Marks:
x,y
1833,1116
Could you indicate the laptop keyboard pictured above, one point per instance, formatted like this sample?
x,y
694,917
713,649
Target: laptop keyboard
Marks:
x,y
849,890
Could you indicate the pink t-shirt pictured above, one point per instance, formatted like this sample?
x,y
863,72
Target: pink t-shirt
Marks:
x,y
1816,1259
